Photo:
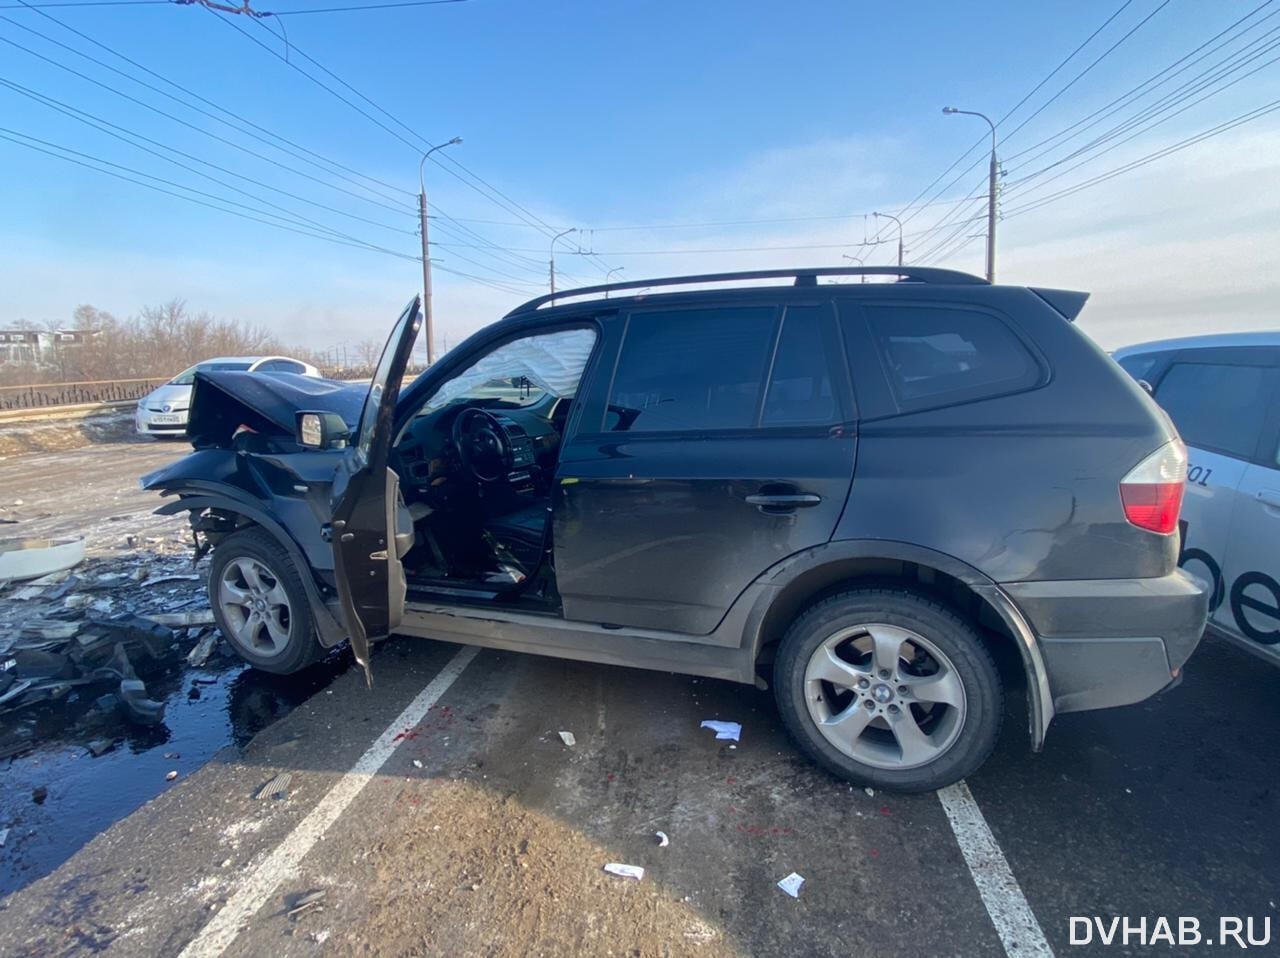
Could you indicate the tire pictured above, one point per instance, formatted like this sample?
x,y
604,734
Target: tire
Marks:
x,y
932,720
259,603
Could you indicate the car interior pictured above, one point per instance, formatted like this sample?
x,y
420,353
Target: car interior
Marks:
x,y
477,463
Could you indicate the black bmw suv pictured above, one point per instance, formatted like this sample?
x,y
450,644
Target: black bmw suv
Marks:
x,y
861,494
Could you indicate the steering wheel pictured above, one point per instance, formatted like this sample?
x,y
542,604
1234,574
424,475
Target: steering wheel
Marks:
x,y
482,445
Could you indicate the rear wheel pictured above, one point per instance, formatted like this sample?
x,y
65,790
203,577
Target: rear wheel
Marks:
x,y
887,687
260,604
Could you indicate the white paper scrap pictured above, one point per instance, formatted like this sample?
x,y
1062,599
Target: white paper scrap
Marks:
x,y
792,884
724,730
568,739
626,871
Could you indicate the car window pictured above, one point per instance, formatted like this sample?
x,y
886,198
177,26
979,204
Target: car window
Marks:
x,y
188,376
1218,407
691,369
936,355
1139,366
280,366
522,372
800,384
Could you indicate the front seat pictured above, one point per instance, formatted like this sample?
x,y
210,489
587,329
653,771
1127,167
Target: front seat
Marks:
x,y
522,532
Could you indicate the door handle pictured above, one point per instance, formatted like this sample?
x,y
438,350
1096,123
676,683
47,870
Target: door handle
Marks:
x,y
774,504
1269,497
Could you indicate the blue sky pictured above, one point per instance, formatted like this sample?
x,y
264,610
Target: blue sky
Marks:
x,y
608,115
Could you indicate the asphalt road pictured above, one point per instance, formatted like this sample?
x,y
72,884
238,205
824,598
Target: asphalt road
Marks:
x,y
440,813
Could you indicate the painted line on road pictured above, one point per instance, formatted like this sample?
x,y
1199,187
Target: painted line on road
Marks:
x,y
284,859
1014,921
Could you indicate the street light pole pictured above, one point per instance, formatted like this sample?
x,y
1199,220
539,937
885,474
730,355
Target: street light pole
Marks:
x,y
856,259
553,255
428,331
890,216
991,191
616,269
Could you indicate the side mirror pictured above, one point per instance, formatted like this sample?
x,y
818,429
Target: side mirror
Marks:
x,y
322,430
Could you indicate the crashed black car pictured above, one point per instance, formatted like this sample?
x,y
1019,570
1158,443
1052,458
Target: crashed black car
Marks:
x,y
863,494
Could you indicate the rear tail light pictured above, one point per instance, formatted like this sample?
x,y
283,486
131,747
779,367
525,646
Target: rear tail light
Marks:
x,y
1152,491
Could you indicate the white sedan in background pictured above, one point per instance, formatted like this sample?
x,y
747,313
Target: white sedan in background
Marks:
x,y
163,411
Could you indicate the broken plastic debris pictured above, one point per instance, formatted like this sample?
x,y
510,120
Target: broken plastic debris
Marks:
x,y
625,871
792,884
306,902
176,619
4,836
277,788
663,840
201,651
870,791
568,739
170,775
417,763
728,731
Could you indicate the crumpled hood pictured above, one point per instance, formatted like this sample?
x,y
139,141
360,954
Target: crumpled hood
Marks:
x,y
177,397
222,401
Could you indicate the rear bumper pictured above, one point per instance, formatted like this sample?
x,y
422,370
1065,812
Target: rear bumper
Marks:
x,y
1108,642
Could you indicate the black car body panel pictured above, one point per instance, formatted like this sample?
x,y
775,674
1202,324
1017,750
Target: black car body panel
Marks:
x,y
691,549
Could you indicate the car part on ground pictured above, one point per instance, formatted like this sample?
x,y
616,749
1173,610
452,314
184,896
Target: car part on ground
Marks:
x,y
22,559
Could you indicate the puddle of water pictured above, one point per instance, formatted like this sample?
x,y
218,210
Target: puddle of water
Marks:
x,y
205,710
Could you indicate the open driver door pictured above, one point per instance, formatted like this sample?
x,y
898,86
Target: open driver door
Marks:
x,y
366,499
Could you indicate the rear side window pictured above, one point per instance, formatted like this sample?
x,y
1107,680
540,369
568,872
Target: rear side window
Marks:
x,y
933,355
801,391
1139,366
1218,407
691,369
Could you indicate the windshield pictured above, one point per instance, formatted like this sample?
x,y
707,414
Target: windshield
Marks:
x,y
523,372
188,376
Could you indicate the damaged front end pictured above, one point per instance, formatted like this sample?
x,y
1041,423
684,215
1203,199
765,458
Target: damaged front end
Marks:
x,y
250,467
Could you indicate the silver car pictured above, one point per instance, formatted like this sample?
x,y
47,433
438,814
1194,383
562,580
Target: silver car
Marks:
x,y
163,411
1223,394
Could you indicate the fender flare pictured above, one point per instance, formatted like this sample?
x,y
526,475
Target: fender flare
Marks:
x,y
792,569
229,499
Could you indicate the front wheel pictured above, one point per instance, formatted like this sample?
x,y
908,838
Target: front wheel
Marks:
x,y
888,687
260,604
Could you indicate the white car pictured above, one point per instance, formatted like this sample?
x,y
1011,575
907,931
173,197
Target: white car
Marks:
x,y
1223,393
163,411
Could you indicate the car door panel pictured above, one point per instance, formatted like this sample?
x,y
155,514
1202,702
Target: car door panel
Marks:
x,y
666,533
663,530
1251,565
368,510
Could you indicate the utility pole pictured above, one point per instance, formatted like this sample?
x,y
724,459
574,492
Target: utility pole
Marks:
x,y
553,255
856,259
992,175
428,329
890,216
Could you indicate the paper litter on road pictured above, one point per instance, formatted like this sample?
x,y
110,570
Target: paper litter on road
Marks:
x,y
792,884
663,840
568,739
625,871
728,731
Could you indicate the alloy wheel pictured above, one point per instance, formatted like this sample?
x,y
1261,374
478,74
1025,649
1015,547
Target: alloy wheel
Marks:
x,y
885,696
255,606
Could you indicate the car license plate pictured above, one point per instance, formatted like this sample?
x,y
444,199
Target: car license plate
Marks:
x,y
162,419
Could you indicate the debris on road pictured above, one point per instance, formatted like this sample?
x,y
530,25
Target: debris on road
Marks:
x,y
23,559
201,651
183,619
170,775
307,901
4,836
726,731
792,884
663,840
625,871
276,789
39,794
568,739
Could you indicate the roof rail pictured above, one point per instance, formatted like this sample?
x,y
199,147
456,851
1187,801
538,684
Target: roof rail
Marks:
x,y
803,277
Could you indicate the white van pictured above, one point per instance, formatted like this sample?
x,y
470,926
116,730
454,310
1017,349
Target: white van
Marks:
x,y
1223,394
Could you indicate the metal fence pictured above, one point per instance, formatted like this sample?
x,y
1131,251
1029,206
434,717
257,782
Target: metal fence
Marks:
x,y
42,395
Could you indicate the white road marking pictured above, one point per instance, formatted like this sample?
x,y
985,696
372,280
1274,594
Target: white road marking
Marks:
x,y
284,859
1014,921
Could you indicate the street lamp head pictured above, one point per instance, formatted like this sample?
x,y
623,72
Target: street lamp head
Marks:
x,y
456,140
949,110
